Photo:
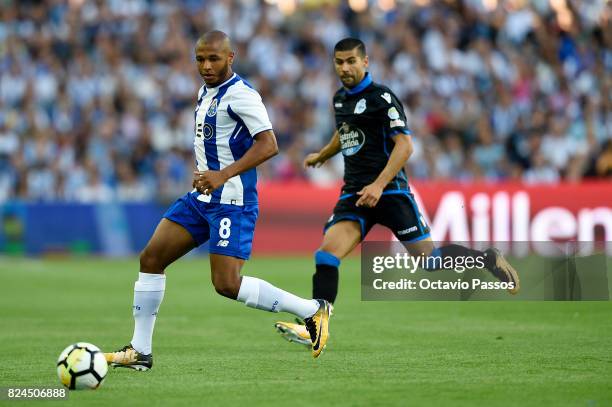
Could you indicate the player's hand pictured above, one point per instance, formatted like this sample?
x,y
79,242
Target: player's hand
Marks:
x,y
313,160
369,195
206,182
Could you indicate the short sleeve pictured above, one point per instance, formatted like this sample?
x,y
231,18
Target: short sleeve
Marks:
x,y
393,114
248,107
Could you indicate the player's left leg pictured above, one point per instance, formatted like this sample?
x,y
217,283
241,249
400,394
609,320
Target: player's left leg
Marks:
x,y
231,234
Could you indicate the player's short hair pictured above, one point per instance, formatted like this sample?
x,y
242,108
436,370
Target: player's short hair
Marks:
x,y
348,44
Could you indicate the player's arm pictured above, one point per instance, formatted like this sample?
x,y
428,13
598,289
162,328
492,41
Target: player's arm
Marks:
x,y
370,194
331,149
262,149
394,124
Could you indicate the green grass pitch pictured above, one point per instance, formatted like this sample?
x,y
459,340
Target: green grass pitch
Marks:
x,y
211,351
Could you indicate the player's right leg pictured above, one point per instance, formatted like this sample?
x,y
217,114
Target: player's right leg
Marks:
x,y
348,225
339,240
176,234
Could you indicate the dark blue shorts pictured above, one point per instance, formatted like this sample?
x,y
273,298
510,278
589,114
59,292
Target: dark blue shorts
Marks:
x,y
396,210
229,228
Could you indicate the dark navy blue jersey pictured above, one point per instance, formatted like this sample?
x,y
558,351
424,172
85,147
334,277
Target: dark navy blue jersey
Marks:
x,y
368,116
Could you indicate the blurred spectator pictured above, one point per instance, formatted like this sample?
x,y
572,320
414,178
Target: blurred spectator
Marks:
x,y
540,171
129,187
97,97
604,161
94,190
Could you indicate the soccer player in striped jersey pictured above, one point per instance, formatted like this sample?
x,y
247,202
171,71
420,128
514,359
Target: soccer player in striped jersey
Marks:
x,y
233,135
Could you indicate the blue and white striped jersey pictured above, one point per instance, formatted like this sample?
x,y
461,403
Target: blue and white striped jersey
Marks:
x,y
226,119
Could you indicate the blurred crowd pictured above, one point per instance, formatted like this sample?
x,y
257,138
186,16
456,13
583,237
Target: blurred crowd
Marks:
x,y
97,97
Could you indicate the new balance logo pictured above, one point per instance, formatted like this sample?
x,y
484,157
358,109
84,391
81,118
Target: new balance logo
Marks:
x,y
223,243
406,231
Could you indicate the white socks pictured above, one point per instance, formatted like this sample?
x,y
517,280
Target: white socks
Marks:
x,y
148,295
256,293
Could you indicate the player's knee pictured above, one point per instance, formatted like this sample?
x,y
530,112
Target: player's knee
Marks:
x,y
333,249
226,288
150,263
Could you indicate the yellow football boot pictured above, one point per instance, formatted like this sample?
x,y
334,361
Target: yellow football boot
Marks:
x,y
130,358
318,327
294,332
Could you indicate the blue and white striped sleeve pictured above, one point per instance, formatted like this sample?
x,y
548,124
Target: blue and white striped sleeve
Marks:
x,y
249,107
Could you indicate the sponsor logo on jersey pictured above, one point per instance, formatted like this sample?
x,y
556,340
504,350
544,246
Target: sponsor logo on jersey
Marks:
x,y
397,123
406,231
208,131
360,107
212,109
386,96
351,139
393,113
223,243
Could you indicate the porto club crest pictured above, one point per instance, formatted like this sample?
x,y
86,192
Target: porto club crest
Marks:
x,y
212,109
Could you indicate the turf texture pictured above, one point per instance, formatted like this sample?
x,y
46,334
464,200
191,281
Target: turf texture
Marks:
x,y
211,351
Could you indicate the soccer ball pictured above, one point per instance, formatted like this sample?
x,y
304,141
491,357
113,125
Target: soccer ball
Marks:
x,y
82,366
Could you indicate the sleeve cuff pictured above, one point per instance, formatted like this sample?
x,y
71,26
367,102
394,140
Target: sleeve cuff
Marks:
x,y
259,130
400,131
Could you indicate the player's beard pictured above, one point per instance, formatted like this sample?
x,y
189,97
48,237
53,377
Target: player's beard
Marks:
x,y
352,82
220,77
353,79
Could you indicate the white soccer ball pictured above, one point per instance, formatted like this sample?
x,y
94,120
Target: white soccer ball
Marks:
x,y
82,366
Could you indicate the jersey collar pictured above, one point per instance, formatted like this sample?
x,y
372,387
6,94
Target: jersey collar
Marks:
x,y
365,82
231,78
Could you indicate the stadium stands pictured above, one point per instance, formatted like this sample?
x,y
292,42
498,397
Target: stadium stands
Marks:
x,y
96,97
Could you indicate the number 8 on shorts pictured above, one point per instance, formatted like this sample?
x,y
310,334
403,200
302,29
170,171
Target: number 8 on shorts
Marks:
x,y
224,228
231,229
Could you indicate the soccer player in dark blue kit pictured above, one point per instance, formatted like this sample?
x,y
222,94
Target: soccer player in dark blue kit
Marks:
x,y
374,139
